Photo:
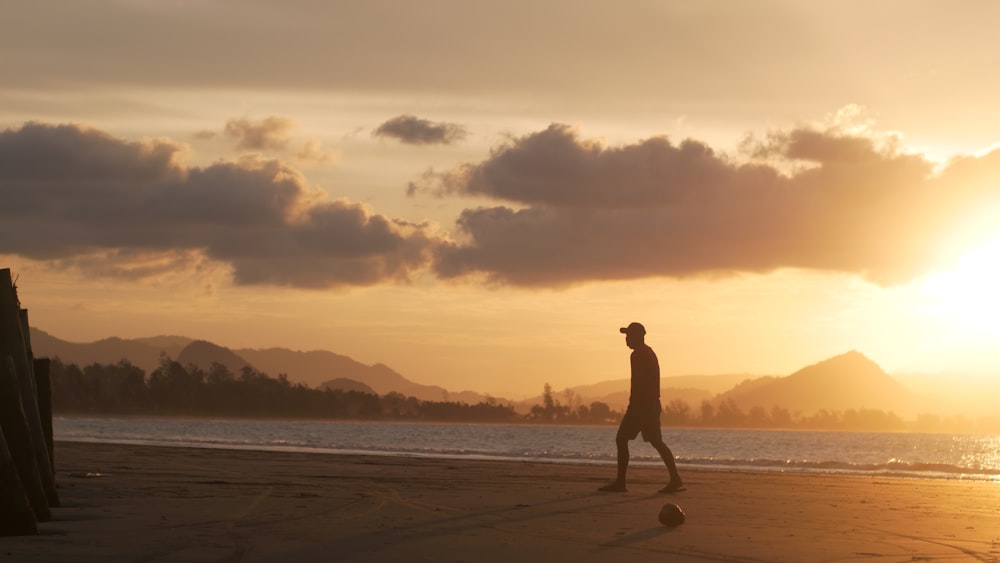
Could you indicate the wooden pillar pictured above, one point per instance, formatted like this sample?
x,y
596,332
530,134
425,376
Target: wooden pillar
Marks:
x,y
18,440
16,516
43,383
14,346
33,411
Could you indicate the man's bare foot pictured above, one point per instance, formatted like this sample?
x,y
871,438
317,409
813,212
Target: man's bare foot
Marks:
x,y
673,487
614,487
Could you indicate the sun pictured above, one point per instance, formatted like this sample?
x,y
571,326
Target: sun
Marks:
x,y
966,298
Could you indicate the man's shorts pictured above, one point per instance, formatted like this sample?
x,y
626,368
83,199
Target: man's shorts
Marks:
x,y
643,419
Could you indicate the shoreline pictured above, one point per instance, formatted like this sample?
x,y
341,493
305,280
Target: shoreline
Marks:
x,y
648,461
990,428
165,504
887,454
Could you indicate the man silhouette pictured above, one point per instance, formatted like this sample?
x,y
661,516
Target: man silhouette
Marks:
x,y
643,413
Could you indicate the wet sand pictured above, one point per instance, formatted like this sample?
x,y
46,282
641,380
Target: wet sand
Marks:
x,y
150,504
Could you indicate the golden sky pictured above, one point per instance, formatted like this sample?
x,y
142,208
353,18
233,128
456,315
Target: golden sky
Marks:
x,y
478,194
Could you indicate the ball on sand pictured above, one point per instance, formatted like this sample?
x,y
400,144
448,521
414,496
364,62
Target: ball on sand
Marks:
x,y
671,515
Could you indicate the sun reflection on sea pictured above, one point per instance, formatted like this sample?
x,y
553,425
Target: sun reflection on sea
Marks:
x,y
980,452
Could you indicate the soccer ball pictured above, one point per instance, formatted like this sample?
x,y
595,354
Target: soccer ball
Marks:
x,y
671,515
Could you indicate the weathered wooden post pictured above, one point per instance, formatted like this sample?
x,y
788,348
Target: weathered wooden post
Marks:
x,y
18,439
41,443
16,516
43,383
14,346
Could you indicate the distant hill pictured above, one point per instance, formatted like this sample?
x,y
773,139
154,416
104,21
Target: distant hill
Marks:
x,y
143,353
166,343
203,354
313,368
343,384
847,381
317,367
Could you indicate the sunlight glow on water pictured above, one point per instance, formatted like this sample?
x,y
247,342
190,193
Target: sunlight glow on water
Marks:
x,y
978,452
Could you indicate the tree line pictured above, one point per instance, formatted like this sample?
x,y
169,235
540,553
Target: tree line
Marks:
x,y
173,389
728,414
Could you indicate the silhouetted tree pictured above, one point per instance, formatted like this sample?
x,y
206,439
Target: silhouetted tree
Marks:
x,y
707,414
602,411
729,414
757,418
676,413
780,417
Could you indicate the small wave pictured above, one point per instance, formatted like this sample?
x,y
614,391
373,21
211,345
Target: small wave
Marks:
x,y
891,468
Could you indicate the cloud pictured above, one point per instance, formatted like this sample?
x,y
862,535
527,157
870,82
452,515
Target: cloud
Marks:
x,y
73,195
129,264
576,210
569,210
270,133
414,131
313,152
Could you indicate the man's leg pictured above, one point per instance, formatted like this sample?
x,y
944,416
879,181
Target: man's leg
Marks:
x,y
667,456
621,443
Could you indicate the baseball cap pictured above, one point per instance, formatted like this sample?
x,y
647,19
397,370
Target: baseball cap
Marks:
x,y
633,328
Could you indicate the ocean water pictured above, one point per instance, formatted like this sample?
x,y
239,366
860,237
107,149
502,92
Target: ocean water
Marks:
x,y
934,456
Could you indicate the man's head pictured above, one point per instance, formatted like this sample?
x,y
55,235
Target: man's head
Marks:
x,y
634,333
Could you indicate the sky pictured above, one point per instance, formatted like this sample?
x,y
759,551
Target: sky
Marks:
x,y
479,194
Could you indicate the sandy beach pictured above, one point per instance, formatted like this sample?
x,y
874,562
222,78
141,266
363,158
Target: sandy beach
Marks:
x,y
154,504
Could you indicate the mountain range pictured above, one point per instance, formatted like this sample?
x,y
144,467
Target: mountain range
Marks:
x,y
316,368
848,381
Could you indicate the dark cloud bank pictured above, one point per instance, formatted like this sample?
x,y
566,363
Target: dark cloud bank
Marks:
x,y
582,211
569,210
70,193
